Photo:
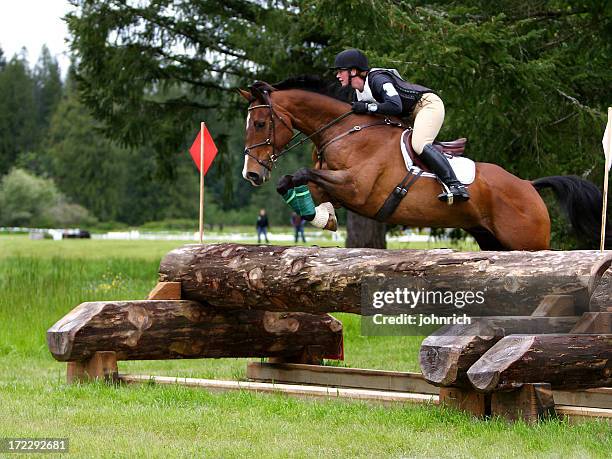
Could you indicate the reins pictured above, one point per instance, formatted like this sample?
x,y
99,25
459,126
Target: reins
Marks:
x,y
270,141
307,138
356,128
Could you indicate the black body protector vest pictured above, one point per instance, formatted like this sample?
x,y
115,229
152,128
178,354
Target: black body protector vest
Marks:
x,y
409,93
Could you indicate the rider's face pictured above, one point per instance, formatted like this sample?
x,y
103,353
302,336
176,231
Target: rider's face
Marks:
x,y
343,76
356,81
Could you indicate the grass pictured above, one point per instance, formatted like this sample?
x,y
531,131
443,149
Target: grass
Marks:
x,y
40,281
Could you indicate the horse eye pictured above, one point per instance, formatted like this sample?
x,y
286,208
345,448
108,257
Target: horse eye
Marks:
x,y
260,124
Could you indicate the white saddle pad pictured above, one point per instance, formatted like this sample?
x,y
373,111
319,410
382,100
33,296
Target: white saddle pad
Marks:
x,y
465,169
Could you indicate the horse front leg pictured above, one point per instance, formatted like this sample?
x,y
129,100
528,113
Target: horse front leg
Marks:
x,y
327,185
335,186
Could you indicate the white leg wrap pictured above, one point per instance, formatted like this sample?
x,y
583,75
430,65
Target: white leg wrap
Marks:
x,y
321,216
330,208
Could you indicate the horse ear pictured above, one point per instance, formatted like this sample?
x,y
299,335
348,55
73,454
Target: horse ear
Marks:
x,y
246,94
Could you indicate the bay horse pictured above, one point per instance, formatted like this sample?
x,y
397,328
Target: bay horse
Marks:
x,y
360,170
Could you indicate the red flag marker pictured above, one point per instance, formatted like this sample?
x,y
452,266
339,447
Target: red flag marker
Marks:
x,y
210,150
203,151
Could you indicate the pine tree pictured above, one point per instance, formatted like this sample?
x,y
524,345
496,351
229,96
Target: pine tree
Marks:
x,y
17,112
48,88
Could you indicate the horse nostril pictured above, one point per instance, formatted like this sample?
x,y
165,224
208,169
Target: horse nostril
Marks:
x,y
254,176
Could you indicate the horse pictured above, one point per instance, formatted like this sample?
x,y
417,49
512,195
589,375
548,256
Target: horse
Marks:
x,y
360,170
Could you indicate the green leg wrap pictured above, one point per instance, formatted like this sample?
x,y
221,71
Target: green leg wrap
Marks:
x,y
300,200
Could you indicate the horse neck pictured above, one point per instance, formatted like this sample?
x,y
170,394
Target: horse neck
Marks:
x,y
309,111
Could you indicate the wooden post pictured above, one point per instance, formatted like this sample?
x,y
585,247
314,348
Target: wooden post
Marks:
x,y
530,403
166,291
202,127
311,355
102,365
469,400
608,161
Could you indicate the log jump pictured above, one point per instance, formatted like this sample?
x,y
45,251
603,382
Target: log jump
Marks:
x,y
315,280
544,328
183,329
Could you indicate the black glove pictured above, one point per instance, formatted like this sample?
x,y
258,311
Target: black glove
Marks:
x,y
360,107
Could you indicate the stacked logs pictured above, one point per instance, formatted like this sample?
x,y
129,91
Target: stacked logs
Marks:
x,y
545,322
509,365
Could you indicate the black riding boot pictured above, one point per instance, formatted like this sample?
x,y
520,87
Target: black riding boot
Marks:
x,y
440,166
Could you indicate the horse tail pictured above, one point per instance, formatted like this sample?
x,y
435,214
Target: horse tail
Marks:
x,y
581,202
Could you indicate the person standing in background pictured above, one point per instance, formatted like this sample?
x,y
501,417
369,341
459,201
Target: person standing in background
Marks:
x,y
262,226
298,225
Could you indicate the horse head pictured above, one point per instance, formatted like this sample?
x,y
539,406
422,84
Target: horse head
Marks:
x,y
267,132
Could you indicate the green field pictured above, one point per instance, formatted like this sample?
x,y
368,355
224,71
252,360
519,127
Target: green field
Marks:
x,y
40,281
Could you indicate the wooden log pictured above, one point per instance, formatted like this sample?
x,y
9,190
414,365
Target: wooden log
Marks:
x,y
340,377
398,381
555,306
581,413
447,354
594,322
363,395
165,329
602,265
594,398
566,361
573,413
293,390
600,298
312,279
600,285
166,291
530,403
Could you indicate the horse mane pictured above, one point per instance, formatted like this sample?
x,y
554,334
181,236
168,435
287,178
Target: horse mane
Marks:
x,y
310,83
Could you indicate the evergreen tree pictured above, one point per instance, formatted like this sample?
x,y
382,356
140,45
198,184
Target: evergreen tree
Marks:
x,y
17,112
86,166
48,88
114,182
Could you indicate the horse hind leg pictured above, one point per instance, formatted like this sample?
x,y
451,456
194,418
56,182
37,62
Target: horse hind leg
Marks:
x,y
521,234
485,239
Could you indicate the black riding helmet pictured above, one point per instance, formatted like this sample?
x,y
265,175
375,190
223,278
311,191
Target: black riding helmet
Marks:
x,y
349,59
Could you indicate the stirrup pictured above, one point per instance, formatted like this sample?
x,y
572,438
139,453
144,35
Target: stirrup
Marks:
x,y
454,192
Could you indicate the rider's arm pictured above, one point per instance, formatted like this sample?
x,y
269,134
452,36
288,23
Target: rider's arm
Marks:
x,y
382,87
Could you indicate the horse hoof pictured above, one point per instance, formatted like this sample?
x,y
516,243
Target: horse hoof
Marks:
x,y
332,223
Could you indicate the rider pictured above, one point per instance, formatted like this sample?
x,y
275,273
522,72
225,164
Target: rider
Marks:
x,y
384,91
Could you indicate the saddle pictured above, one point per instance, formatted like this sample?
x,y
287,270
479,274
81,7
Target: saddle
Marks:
x,y
465,169
451,148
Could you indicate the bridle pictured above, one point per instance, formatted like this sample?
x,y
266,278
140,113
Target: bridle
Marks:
x,y
270,141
